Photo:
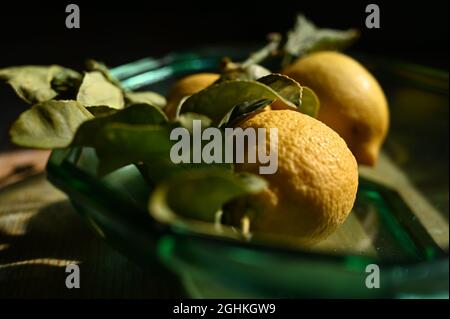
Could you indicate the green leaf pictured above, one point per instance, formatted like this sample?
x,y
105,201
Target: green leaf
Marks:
x,y
200,194
137,134
123,137
305,37
136,114
96,90
158,169
302,97
219,99
186,120
119,144
145,97
48,125
161,168
33,84
242,110
286,87
310,102
101,110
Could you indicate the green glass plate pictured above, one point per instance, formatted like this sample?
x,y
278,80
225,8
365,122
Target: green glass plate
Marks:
x,y
399,222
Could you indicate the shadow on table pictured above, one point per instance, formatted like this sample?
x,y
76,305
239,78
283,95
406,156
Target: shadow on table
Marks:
x,y
33,264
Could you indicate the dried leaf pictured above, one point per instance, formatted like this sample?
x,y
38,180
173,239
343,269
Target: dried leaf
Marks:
x,y
96,90
93,65
33,83
145,97
305,37
49,124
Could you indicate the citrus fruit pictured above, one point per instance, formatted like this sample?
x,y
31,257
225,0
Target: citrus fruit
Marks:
x,y
351,100
314,188
187,86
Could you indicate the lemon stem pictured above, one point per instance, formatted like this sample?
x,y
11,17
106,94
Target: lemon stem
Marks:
x,y
257,57
268,50
245,226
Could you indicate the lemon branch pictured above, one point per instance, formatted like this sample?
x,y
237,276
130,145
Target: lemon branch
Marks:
x,y
270,49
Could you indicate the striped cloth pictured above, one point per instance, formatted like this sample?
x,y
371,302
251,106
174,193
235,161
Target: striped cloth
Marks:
x,y
40,234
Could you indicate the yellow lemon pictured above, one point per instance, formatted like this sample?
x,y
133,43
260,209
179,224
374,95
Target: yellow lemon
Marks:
x,y
351,100
314,187
187,86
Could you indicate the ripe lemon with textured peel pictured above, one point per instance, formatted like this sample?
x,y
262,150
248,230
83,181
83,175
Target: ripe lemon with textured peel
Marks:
x,y
187,86
314,187
351,100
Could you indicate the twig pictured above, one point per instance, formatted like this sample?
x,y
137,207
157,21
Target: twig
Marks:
x,y
270,49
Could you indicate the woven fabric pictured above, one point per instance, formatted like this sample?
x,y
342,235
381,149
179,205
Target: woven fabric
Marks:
x,y
40,233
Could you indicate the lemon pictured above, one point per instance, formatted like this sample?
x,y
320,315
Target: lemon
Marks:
x,y
351,100
187,86
314,187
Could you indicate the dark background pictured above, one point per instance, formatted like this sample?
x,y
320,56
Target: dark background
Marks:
x,y
118,32
122,31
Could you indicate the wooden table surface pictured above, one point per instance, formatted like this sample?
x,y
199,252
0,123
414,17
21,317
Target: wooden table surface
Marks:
x,y
40,233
